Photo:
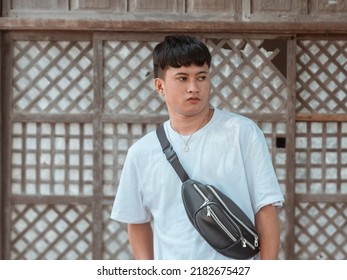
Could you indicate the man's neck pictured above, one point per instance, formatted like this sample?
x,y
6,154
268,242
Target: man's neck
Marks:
x,y
186,125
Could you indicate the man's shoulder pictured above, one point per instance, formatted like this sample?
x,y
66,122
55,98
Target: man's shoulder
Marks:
x,y
144,145
234,119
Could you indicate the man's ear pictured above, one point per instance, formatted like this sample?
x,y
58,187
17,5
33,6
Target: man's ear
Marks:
x,y
159,86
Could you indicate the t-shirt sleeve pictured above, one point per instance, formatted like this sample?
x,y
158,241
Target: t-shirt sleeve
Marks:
x,y
128,205
261,176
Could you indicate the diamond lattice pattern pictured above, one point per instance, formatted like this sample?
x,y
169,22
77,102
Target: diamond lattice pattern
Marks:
x,y
52,77
51,160
51,231
115,239
321,230
321,77
244,78
128,79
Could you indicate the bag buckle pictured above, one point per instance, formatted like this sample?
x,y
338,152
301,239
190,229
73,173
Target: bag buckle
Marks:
x,y
170,153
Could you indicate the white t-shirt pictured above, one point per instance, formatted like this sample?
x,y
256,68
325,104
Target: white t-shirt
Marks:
x,y
229,153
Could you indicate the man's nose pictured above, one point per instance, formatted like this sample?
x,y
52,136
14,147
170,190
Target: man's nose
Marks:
x,y
193,87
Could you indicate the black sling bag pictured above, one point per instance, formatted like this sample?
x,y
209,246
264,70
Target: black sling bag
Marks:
x,y
214,215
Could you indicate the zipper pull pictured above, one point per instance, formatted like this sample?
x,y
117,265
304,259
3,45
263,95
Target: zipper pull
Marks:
x,y
256,243
208,211
205,202
243,242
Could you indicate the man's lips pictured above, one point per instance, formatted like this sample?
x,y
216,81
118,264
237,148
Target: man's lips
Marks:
x,y
193,99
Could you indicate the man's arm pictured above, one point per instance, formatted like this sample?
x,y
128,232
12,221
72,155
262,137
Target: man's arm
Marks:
x,y
266,222
141,240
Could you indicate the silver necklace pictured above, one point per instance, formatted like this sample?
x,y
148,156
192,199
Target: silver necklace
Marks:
x,y
185,146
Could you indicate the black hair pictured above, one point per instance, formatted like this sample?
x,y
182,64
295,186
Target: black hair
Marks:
x,y
179,50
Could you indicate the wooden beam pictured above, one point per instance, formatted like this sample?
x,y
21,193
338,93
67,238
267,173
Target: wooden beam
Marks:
x,y
6,131
290,150
314,117
51,199
97,209
333,198
52,118
173,24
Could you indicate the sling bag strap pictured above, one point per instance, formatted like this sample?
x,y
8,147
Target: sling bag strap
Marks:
x,y
170,154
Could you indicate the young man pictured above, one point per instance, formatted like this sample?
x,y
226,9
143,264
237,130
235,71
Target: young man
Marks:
x,y
214,147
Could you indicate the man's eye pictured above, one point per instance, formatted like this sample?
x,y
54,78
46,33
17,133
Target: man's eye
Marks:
x,y
202,78
182,78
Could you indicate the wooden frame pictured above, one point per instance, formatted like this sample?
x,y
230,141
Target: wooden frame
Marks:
x,y
98,201
247,22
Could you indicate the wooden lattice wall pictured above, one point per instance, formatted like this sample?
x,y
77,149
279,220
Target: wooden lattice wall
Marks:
x,y
321,149
76,106
72,103
69,132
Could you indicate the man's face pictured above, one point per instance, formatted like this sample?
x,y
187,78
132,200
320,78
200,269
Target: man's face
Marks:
x,y
186,89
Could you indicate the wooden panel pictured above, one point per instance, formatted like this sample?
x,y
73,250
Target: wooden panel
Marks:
x,y
328,7
174,6
128,80
113,5
51,159
321,158
206,6
114,237
38,5
278,10
51,231
83,137
298,13
320,231
53,77
278,6
246,77
321,76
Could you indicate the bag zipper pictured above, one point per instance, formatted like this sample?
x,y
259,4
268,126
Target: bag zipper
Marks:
x,y
210,213
256,243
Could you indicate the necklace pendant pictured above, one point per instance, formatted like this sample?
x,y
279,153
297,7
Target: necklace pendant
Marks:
x,y
185,148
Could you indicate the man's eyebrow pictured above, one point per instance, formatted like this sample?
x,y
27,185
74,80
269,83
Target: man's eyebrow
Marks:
x,y
199,73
